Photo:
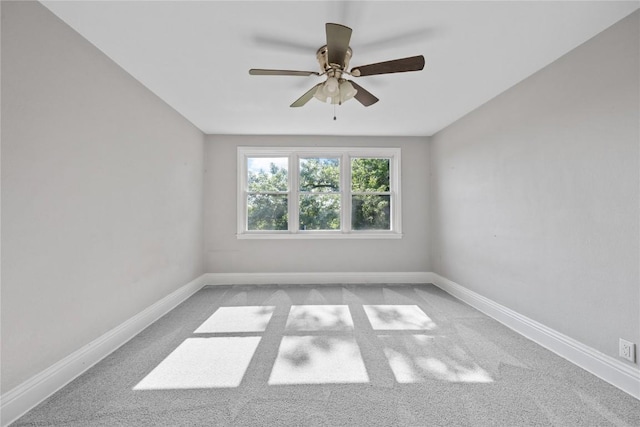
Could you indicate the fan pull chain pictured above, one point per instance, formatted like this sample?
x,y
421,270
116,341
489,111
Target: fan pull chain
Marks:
x,y
334,111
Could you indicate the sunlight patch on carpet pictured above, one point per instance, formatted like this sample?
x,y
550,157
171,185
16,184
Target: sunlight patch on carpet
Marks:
x,y
398,317
203,363
319,318
417,358
318,360
237,319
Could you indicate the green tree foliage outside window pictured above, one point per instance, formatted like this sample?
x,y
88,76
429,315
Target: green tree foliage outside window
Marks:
x,y
370,211
268,212
319,194
319,208
267,206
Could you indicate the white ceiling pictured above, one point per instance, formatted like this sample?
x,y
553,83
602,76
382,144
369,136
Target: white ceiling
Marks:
x,y
196,56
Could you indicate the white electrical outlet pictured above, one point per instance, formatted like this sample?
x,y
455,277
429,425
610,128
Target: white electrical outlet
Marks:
x,y
627,350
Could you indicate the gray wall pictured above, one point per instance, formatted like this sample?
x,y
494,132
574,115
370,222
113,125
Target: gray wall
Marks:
x,y
101,194
535,195
225,254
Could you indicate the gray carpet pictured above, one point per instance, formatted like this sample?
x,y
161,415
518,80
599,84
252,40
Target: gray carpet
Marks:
x,y
353,355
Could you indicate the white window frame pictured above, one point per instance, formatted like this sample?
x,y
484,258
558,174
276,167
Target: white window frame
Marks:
x,y
345,154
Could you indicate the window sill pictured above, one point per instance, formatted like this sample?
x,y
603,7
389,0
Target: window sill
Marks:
x,y
312,235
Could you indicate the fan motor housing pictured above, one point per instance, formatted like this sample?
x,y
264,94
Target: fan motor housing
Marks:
x,y
334,70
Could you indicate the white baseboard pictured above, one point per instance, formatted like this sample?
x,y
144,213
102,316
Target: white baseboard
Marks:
x,y
611,370
27,395
315,278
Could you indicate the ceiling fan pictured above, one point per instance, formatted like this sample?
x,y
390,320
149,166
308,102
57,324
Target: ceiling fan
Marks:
x,y
334,60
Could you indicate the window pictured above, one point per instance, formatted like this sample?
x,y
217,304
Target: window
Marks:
x,y
313,192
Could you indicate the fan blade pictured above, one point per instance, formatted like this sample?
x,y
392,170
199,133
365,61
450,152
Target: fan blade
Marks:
x,y
338,38
413,63
306,97
364,97
261,72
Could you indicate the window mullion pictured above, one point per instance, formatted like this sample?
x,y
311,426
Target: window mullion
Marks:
x,y
345,183
294,198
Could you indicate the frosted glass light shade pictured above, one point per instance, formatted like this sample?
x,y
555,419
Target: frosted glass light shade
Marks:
x,y
342,92
320,95
347,91
331,87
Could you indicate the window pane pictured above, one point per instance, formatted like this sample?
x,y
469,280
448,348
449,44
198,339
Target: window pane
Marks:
x,y
320,175
267,212
370,175
320,212
267,173
370,212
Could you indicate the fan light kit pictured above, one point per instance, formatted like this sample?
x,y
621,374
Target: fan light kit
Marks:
x,y
334,60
